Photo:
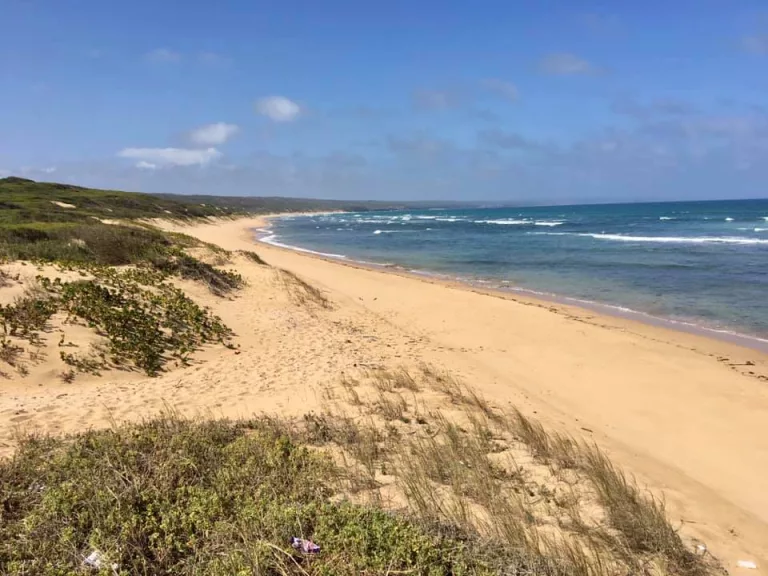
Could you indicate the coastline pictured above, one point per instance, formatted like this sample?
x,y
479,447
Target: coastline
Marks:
x,y
724,335
684,414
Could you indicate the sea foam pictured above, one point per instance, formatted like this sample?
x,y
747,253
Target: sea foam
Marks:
x,y
517,222
664,239
272,239
505,222
678,239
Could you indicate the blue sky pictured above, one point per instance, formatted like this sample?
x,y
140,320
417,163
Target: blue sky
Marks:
x,y
487,100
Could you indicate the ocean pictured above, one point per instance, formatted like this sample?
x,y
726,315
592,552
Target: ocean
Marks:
x,y
698,265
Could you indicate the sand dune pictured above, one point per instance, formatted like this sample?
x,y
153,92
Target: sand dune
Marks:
x,y
685,414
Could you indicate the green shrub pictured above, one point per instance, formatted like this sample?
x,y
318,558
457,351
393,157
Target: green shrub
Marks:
x,y
178,263
171,496
110,245
26,316
143,326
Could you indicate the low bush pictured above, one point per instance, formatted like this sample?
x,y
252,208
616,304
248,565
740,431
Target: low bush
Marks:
x,y
143,326
26,316
171,496
97,243
178,263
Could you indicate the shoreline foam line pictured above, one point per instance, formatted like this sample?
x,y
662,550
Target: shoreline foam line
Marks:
x,y
662,239
272,241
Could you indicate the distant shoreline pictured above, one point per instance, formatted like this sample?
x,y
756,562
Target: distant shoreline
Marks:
x,y
615,311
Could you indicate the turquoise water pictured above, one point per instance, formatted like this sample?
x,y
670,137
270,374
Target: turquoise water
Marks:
x,y
697,263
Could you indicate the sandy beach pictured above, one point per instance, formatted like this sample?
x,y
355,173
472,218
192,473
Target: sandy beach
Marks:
x,y
684,414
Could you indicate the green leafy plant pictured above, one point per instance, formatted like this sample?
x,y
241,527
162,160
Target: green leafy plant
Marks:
x,y
143,327
171,496
88,365
26,316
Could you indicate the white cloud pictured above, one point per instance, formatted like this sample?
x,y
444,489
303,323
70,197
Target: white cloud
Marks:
x,y
278,108
143,165
756,44
48,170
163,55
160,157
564,64
213,134
502,88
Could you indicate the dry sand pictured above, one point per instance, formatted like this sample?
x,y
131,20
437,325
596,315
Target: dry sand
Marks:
x,y
683,413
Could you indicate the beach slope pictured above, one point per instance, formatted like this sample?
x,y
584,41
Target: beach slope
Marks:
x,y
684,413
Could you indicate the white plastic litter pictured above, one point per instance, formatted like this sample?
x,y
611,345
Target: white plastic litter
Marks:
x,y
94,559
701,548
748,564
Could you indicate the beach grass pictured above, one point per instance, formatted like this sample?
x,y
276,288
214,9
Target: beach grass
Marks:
x,y
301,292
177,496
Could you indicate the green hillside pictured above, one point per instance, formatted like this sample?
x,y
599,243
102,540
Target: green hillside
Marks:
x,y
24,201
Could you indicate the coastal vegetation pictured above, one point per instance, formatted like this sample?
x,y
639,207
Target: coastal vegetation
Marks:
x,y
479,492
406,469
124,267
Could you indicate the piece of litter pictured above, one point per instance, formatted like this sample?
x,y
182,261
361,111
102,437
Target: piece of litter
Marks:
x,y
306,546
748,564
701,548
93,559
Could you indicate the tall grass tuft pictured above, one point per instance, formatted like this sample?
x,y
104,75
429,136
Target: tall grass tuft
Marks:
x,y
301,292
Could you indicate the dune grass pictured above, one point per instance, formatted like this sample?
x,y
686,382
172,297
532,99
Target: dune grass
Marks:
x,y
301,292
176,262
557,503
253,257
637,515
58,223
380,496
